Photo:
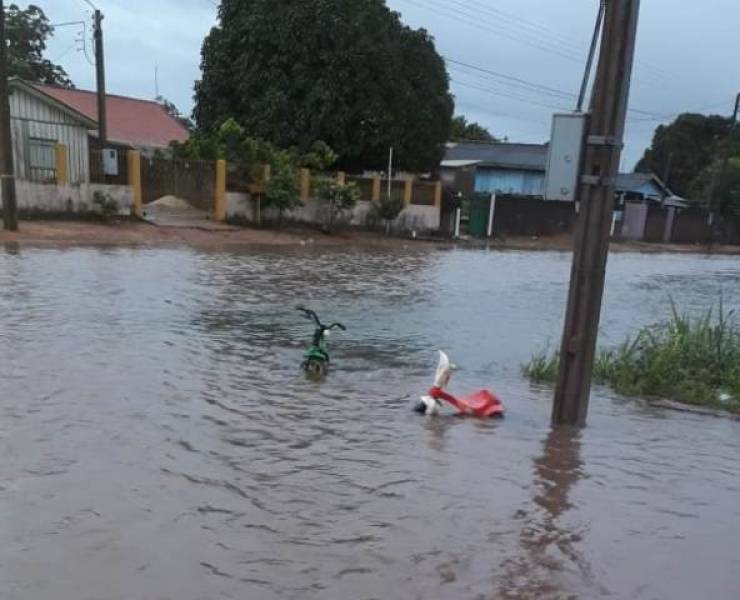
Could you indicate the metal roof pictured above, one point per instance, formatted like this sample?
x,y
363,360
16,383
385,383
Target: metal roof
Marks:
x,y
32,90
458,164
528,157
632,182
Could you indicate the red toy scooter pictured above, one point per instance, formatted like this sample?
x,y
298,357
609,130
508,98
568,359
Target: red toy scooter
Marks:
x,y
482,404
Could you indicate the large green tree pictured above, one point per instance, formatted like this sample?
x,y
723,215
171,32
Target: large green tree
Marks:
x,y
27,31
464,131
689,146
344,71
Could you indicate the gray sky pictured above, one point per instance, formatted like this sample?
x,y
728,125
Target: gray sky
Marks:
x,y
687,55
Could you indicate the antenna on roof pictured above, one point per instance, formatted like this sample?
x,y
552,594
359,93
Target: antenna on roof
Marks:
x,y
156,81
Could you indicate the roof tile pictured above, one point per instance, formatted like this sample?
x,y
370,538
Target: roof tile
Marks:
x,y
131,121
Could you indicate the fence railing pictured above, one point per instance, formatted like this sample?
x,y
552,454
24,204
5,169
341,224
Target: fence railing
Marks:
x,y
424,193
42,174
364,186
191,180
109,168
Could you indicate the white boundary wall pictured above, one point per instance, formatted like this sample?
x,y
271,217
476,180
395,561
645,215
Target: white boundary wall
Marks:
x,y
68,199
413,218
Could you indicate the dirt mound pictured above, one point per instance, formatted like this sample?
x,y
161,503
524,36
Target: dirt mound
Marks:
x,y
171,202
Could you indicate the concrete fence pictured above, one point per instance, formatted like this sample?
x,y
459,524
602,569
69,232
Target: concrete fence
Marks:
x,y
40,198
57,196
421,200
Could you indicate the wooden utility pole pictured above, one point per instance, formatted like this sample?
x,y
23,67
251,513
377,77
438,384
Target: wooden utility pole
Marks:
x,y
603,149
100,76
7,171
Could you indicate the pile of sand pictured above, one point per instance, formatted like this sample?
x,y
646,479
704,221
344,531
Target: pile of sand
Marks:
x,y
171,202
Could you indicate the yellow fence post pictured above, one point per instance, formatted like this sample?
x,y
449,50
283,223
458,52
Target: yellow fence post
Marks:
x,y
134,180
341,178
438,194
61,164
305,176
408,191
376,189
219,204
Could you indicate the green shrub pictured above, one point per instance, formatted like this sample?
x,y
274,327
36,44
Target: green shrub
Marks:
x,y
339,197
691,360
107,206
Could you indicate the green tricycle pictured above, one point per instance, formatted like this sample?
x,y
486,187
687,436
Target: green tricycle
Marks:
x,y
316,358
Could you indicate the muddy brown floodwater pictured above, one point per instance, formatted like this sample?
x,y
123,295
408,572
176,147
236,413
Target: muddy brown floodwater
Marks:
x,y
159,442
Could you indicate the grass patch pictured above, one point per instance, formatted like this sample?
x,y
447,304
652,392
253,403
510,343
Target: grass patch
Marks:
x,y
694,360
542,367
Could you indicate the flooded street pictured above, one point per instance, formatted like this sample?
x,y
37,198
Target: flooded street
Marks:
x,y
159,441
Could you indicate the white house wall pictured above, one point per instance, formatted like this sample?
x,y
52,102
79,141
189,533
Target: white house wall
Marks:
x,y
33,118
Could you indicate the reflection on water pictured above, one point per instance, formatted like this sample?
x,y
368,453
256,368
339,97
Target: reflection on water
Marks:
x,y
161,442
550,547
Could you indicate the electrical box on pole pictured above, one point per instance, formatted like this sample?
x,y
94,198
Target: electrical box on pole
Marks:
x,y
564,156
110,162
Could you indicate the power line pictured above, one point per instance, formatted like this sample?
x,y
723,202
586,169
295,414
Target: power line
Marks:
x,y
515,80
478,23
509,95
577,45
461,13
539,88
67,51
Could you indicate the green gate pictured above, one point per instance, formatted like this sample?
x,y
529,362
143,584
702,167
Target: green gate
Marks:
x,y
480,210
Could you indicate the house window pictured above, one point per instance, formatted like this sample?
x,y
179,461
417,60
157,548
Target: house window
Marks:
x,y
42,159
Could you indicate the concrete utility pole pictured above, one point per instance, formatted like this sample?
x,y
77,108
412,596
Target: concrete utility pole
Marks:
x,y
100,75
602,154
7,171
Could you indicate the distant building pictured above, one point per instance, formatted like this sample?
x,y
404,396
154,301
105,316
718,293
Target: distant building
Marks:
x,y
516,174
519,170
511,169
136,124
646,187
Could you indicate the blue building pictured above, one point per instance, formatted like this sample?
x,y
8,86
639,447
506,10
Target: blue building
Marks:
x,y
519,170
516,173
511,169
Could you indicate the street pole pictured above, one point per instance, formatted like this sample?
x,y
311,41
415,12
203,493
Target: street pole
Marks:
x,y
100,75
7,171
390,173
603,148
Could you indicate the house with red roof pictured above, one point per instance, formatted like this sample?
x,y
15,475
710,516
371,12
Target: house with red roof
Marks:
x,y
43,117
132,123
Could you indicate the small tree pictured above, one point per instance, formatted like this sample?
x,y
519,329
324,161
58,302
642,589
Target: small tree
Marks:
x,y
339,197
282,191
388,209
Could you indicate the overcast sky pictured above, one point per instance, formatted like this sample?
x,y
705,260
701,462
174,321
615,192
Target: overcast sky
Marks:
x,y
688,55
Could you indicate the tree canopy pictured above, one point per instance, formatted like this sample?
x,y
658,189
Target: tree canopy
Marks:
x,y
689,144
463,131
27,31
344,71
174,112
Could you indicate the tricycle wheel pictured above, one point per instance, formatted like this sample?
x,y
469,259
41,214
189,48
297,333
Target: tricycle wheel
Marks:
x,y
315,369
